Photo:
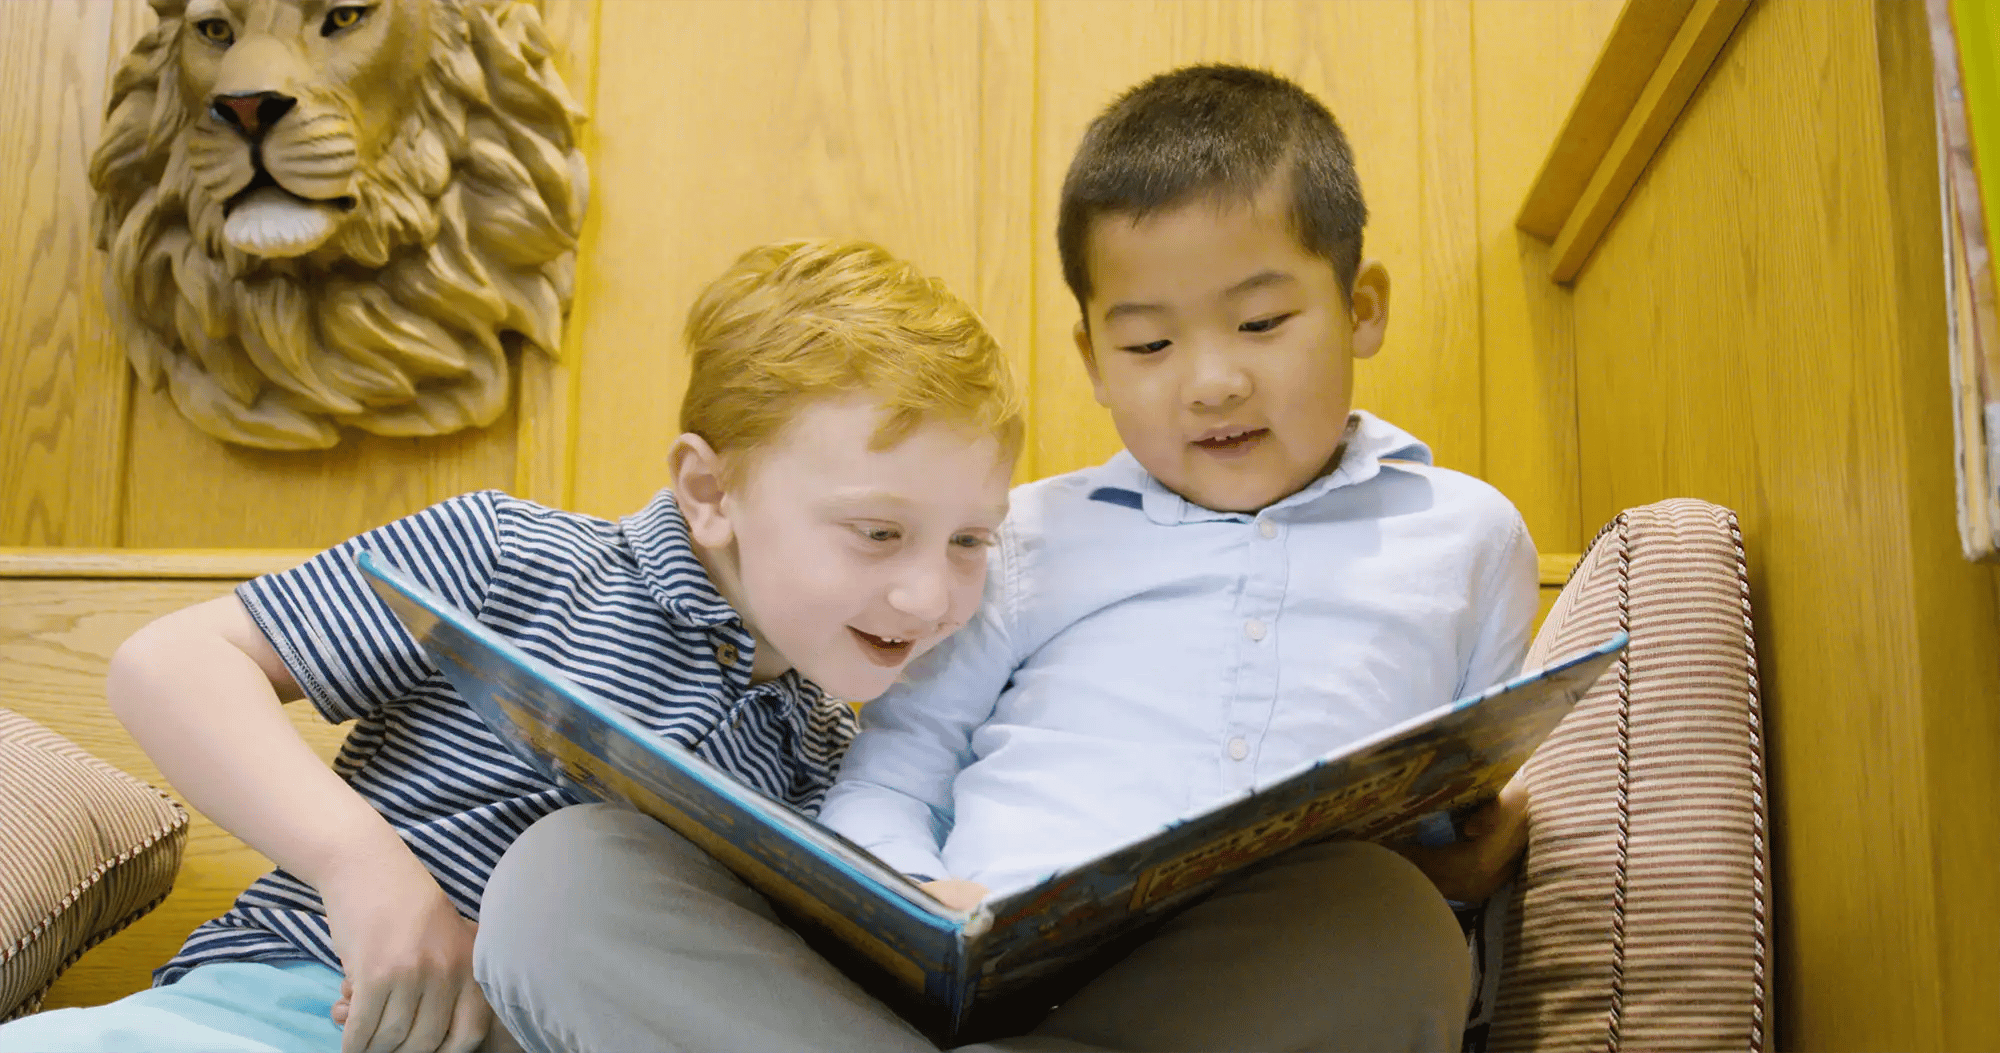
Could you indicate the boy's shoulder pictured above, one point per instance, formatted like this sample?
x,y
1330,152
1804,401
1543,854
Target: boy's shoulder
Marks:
x,y
1101,497
509,513
538,541
1454,491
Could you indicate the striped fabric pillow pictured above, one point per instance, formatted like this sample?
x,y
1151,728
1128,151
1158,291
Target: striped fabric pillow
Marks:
x,y
1642,917
85,850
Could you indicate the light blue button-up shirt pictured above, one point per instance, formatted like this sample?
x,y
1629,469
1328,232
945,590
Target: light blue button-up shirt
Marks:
x,y
1139,657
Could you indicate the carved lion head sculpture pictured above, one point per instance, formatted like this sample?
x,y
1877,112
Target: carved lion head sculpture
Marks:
x,y
327,212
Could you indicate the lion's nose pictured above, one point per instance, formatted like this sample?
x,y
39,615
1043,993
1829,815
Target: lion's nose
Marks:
x,y
251,113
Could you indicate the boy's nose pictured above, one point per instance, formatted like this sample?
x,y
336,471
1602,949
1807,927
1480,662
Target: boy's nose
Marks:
x,y
924,592
1216,381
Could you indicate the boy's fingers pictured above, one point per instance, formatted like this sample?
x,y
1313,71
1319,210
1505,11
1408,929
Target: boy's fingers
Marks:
x,y
341,1006
430,1020
363,1012
392,1022
470,1021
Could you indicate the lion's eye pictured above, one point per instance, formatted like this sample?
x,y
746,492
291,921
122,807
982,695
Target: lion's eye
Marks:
x,y
342,18
216,31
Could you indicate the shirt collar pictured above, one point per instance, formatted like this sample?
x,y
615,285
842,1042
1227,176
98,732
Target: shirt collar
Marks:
x,y
1372,443
659,538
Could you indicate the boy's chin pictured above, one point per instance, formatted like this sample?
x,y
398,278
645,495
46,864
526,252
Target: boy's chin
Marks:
x,y
1247,498
854,685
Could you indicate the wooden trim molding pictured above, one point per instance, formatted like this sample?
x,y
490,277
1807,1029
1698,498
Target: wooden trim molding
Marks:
x,y
1657,54
234,563
200,563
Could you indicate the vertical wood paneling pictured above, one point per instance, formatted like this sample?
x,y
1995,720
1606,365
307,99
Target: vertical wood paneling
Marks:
x,y
1761,328
1009,243
722,125
1956,624
1362,60
62,383
185,490
1447,331
1527,56
545,446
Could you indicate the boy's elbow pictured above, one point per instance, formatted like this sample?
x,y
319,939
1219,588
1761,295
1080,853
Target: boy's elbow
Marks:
x,y
139,661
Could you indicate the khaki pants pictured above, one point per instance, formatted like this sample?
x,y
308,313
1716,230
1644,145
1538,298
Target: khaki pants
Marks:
x,y
602,930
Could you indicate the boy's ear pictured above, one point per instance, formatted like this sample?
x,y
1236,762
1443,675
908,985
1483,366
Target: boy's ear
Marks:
x,y
1369,300
1083,346
698,489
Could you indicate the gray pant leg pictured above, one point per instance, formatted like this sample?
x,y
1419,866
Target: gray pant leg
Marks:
x,y
602,930
1331,947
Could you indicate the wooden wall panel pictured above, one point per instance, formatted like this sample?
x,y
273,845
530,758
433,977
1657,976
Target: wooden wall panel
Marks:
x,y
1525,56
62,384
723,125
545,446
1763,328
186,490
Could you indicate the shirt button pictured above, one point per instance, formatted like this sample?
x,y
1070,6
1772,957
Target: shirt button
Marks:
x,y
1254,629
725,652
1238,749
1267,528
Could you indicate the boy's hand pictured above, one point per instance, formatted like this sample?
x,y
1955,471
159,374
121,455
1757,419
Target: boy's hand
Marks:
x,y
407,958
1495,836
959,895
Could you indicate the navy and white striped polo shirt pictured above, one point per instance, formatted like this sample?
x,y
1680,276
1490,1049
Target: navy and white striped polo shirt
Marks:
x,y
623,608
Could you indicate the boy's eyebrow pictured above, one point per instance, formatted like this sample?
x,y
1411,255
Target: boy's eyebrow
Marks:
x,y
848,498
1258,281
1261,279
1120,310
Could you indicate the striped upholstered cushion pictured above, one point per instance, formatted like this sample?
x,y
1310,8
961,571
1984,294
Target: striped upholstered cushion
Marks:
x,y
85,850
1643,913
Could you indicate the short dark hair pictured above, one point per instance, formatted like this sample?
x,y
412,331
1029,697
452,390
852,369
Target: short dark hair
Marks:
x,y
1217,130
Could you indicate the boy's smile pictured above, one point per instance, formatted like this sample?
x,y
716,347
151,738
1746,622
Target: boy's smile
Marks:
x,y
890,653
848,561
1224,349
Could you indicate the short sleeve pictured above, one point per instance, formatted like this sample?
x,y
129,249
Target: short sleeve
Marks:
x,y
343,645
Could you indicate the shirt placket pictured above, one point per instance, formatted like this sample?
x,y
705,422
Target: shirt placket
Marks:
x,y
1257,637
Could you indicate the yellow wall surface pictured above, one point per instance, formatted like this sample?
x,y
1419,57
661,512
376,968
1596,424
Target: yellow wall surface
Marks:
x,y
940,128
1763,326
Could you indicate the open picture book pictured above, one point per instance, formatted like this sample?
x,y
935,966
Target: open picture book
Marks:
x,y
948,961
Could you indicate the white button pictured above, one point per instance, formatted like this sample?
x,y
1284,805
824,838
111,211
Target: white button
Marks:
x,y
1254,629
1238,749
1267,528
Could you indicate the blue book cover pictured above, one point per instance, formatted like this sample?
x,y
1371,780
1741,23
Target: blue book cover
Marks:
x,y
1445,761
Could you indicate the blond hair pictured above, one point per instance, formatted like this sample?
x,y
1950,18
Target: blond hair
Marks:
x,y
799,320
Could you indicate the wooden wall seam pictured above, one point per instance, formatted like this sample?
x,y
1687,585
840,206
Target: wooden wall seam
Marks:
x,y
545,441
1631,52
1448,239
1681,71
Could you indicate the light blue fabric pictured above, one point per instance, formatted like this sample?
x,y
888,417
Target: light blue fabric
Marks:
x,y
1151,657
232,1007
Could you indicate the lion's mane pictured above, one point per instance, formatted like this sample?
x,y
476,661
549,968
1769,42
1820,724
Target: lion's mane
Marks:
x,y
460,245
